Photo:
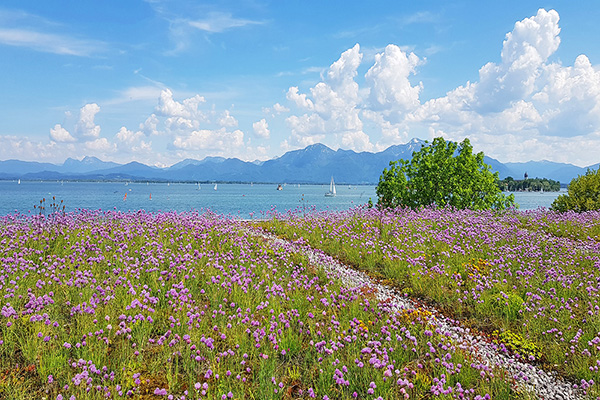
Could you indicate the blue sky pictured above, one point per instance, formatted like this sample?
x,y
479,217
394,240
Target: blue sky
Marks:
x,y
160,81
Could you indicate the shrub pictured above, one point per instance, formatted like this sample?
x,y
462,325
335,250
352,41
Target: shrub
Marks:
x,y
442,174
583,194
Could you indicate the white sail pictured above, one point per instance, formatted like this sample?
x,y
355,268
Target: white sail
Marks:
x,y
332,191
215,186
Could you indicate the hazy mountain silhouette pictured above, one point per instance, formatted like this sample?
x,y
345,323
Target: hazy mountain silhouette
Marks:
x,y
313,164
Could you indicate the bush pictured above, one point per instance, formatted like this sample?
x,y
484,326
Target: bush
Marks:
x,y
583,194
442,174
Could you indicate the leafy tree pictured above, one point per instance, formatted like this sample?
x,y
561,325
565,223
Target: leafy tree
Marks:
x,y
536,184
442,174
583,194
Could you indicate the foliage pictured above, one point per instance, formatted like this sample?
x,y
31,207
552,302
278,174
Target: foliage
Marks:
x,y
517,343
531,276
106,305
442,174
583,194
534,185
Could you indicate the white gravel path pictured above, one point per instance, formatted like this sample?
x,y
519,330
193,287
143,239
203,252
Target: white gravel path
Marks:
x,y
530,379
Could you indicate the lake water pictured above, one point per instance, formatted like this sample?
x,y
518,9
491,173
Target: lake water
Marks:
x,y
240,200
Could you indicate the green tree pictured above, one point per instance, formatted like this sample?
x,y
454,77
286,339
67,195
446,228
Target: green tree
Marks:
x,y
583,194
442,174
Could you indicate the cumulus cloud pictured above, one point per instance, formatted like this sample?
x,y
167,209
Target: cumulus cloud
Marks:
x,y
261,128
522,107
23,148
86,126
388,83
181,117
524,54
60,134
150,125
127,136
332,107
206,139
278,108
300,99
525,105
101,145
275,110
227,120
187,109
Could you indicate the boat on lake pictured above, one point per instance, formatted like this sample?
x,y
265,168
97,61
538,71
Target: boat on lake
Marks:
x,y
331,192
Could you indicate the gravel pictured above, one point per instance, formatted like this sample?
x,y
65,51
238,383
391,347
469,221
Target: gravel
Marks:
x,y
528,378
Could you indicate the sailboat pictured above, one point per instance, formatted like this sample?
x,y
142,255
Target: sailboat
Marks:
x,y
331,192
215,188
19,182
199,187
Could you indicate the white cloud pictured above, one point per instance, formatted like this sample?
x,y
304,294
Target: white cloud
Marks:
x,y
261,128
205,139
170,108
127,136
227,120
150,126
524,53
86,125
524,106
218,22
60,134
333,106
275,110
101,145
22,148
387,80
49,43
278,108
300,99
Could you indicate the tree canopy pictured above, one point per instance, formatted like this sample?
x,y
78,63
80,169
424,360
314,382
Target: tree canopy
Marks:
x,y
534,185
442,174
583,194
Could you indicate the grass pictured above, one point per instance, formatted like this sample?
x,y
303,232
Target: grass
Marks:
x,y
531,281
147,306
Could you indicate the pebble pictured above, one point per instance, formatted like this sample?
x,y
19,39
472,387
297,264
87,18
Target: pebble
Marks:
x,y
528,378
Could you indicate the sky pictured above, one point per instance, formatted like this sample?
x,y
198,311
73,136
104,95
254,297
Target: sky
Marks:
x,y
159,81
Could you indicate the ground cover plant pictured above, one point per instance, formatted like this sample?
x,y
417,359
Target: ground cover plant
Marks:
x,y
102,305
528,280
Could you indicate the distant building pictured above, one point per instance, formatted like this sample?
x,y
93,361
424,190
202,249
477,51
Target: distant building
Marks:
x,y
526,175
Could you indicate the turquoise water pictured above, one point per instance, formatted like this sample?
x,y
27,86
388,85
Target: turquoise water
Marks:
x,y
240,200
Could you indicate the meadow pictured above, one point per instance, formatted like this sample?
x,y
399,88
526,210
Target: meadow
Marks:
x,y
140,305
528,280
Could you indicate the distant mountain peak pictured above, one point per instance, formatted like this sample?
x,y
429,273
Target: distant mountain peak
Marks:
x,y
91,160
316,147
313,164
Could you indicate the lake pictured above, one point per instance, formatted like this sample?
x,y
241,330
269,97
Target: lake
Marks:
x,y
239,200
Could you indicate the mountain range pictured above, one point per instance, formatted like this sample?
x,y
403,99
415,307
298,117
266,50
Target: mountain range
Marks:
x,y
313,164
